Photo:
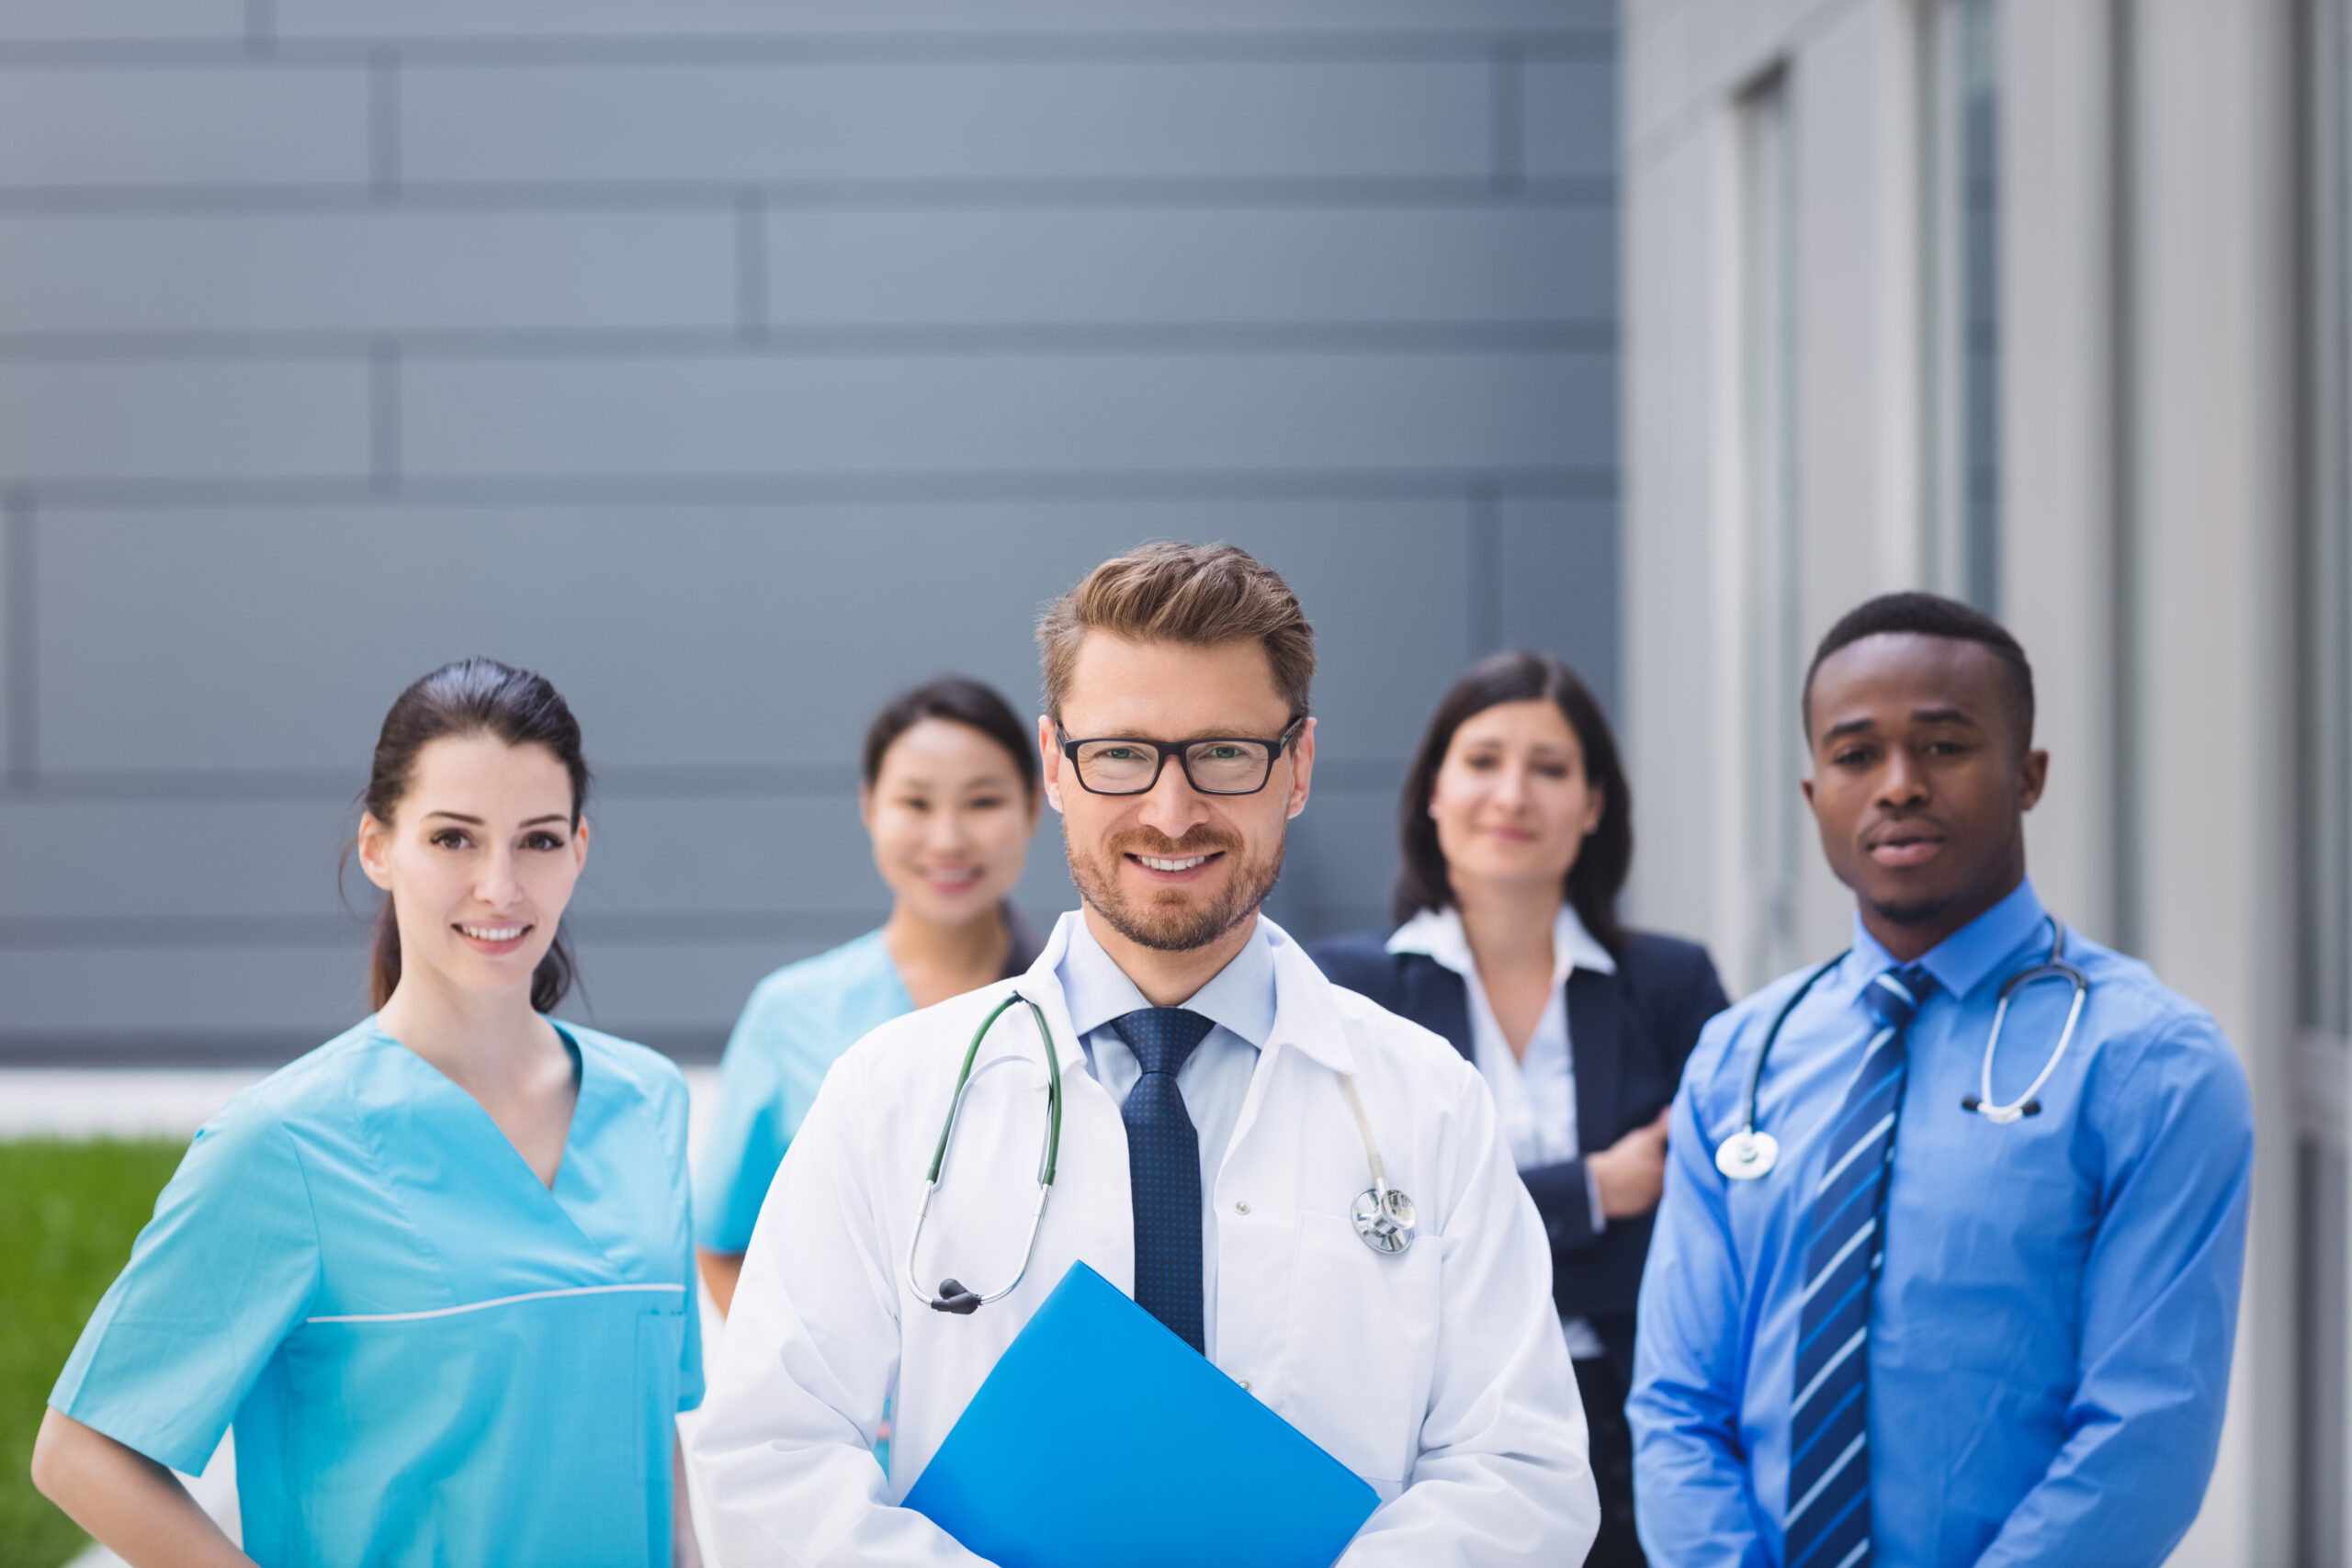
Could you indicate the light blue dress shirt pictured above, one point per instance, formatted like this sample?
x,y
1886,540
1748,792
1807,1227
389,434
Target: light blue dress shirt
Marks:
x,y
429,1356
797,1025
2051,1334
1213,1080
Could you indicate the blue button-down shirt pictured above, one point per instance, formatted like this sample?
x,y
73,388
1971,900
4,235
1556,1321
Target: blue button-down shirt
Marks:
x,y
1213,1080
2051,1334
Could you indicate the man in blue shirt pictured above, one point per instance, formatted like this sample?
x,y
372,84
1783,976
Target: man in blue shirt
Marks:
x,y
1890,1327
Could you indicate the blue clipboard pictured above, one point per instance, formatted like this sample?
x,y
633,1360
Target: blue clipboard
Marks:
x,y
1101,1438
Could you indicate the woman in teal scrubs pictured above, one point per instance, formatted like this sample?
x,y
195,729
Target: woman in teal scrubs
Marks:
x,y
437,1273
950,798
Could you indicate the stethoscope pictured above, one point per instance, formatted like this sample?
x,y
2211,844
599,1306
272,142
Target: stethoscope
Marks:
x,y
1384,1215
1749,1153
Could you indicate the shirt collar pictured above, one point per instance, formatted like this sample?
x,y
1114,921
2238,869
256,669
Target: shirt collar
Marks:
x,y
1438,934
1240,998
1962,961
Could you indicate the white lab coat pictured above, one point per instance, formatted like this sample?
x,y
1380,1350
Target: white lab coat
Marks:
x,y
1437,1375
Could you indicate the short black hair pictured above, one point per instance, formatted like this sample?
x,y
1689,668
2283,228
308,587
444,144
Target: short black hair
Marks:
x,y
1929,615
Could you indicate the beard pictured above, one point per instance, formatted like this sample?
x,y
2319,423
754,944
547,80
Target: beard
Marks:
x,y
1174,919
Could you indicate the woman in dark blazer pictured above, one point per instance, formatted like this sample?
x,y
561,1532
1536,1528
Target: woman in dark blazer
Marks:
x,y
1517,830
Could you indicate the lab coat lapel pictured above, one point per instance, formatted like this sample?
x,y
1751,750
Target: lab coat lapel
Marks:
x,y
1306,1019
1594,1005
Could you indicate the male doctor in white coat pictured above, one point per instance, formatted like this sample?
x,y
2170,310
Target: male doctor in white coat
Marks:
x,y
1209,1153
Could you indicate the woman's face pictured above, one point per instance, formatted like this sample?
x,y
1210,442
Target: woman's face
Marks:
x,y
949,821
480,860
1512,801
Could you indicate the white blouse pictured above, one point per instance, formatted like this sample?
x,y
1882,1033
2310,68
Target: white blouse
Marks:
x,y
1535,1097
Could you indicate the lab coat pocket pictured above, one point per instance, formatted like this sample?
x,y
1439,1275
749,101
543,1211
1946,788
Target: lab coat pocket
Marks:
x,y
1363,1334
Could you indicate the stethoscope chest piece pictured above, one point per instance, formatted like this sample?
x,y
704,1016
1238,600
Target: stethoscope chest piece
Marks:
x,y
1748,1154
1383,1217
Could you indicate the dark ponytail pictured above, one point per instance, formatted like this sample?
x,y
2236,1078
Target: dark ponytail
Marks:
x,y
472,697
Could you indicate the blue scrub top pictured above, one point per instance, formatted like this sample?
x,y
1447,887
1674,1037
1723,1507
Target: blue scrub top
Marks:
x,y
428,1355
2051,1334
798,1022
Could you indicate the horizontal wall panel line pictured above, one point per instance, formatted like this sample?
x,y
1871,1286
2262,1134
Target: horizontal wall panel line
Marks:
x,y
148,933
895,339
276,1046
1592,482
1597,193
1339,45
116,933
86,933
790,781
265,1047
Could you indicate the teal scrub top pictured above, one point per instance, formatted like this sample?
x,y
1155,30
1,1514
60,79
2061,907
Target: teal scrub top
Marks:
x,y
799,1020
429,1356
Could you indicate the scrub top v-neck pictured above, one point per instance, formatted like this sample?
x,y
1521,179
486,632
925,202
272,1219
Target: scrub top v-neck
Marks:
x,y
429,1354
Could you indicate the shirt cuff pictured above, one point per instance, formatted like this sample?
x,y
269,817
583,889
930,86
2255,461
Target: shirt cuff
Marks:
x,y
1592,1196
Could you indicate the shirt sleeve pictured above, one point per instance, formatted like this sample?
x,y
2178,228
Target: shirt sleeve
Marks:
x,y
1503,1476
1691,1483
746,1135
2159,1316
221,1274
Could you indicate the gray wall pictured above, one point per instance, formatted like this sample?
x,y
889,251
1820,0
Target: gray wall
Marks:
x,y
735,365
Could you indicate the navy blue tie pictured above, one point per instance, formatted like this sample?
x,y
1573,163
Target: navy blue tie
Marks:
x,y
1164,1168
1828,1521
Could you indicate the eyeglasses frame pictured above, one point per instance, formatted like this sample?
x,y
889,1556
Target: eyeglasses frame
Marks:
x,y
1176,749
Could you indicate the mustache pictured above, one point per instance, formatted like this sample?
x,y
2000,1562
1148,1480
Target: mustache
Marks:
x,y
1202,839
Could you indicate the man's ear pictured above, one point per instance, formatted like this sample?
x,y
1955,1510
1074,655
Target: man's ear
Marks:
x,y
1302,769
1049,759
2033,777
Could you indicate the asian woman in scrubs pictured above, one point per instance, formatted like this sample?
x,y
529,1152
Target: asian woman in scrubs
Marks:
x,y
949,799
437,1273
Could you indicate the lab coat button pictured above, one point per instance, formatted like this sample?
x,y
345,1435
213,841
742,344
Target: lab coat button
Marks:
x,y
1241,1209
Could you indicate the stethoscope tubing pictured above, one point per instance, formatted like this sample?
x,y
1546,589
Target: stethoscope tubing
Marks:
x,y
1746,1140
1048,1157
1388,1228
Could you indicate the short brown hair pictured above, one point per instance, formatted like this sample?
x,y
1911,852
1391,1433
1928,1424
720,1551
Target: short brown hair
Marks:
x,y
1199,595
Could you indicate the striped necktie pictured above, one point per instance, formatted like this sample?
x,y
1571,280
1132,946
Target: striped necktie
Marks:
x,y
1828,1521
1164,1168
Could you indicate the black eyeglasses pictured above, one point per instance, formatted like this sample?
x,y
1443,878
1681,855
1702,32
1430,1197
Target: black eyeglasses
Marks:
x,y
1214,764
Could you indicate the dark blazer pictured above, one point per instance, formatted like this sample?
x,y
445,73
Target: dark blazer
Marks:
x,y
1629,1034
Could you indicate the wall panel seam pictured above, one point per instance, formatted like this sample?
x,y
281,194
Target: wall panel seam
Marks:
x,y
878,193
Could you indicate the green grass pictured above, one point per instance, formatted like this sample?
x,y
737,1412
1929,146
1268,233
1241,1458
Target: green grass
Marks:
x,y
68,1212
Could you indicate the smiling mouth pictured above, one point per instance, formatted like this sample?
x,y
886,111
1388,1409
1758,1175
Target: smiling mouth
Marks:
x,y
497,938
1167,863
